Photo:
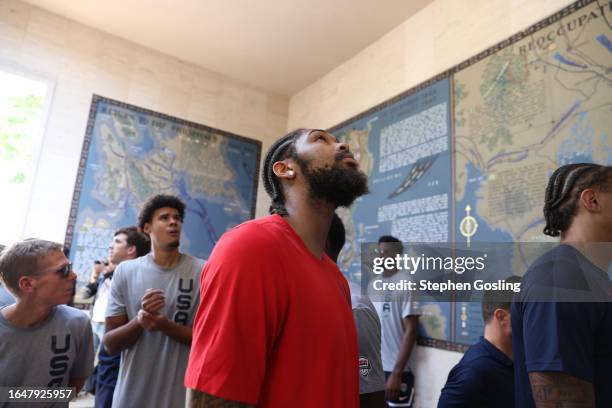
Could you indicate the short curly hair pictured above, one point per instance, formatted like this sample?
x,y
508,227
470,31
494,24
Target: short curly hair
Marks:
x,y
157,202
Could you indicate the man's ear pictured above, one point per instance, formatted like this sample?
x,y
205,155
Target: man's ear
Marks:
x,y
146,228
26,284
131,250
501,315
589,198
284,170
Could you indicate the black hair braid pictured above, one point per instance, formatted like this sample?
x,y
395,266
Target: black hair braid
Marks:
x,y
563,192
553,196
280,150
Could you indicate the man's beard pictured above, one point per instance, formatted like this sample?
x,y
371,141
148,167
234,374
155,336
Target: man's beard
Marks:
x,y
339,184
174,244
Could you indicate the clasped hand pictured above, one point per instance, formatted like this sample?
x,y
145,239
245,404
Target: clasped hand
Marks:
x,y
151,304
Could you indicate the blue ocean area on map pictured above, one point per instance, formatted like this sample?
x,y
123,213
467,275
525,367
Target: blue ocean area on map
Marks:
x,y
470,328
437,180
245,158
399,185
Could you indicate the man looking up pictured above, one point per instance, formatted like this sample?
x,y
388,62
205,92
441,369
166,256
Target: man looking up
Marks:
x,y
367,323
399,317
274,327
43,342
128,243
485,375
562,347
150,312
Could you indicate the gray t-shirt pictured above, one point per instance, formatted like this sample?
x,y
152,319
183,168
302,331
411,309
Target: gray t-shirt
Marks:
x,y
392,311
152,371
371,375
48,354
5,296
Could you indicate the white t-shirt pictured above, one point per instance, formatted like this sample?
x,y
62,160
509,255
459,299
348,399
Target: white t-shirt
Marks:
x,y
99,308
396,306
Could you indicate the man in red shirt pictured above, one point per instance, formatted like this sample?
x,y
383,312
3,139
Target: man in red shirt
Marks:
x,y
274,327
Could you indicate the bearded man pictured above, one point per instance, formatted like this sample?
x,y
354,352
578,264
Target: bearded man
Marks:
x,y
274,327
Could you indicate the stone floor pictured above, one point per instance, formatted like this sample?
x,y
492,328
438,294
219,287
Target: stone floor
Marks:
x,y
83,401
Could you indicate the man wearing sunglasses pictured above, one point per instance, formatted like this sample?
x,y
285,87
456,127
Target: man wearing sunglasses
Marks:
x,y
43,342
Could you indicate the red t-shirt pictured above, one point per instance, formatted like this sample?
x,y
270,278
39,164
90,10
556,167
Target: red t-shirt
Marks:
x,y
274,327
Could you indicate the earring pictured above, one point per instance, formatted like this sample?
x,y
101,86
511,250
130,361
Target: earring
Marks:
x,y
290,173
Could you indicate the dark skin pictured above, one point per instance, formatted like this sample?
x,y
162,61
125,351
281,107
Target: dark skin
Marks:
x,y
394,382
121,333
592,223
308,217
559,390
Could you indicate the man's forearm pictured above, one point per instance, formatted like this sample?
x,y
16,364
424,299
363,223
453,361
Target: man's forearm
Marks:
x,y
198,399
406,347
558,390
122,337
177,332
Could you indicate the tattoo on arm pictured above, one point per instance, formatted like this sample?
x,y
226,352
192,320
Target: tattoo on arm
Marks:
x,y
559,390
198,399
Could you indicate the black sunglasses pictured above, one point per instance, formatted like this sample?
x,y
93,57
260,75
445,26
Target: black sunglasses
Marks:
x,y
65,270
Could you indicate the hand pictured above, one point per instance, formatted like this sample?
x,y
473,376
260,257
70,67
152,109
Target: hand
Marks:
x,y
153,301
393,386
151,322
96,270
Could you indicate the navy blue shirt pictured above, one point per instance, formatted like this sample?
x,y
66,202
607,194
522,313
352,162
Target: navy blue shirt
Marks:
x,y
483,378
559,335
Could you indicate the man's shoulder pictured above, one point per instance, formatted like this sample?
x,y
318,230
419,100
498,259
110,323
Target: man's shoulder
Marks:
x,y
563,274
195,262
478,361
72,315
264,226
130,265
259,233
473,369
559,262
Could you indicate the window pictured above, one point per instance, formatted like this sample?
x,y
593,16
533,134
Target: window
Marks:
x,y
23,107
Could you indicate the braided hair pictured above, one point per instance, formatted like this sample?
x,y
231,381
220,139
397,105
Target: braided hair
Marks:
x,y
282,149
563,193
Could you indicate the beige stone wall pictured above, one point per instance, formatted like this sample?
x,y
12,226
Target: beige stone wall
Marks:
x,y
439,37
79,61
442,35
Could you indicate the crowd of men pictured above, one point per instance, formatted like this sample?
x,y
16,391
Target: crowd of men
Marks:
x,y
269,319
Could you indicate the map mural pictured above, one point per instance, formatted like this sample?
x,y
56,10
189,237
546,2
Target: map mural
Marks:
x,y
405,151
520,113
131,154
540,99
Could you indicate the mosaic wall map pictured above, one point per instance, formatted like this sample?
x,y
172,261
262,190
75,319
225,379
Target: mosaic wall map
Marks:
x,y
130,154
466,155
